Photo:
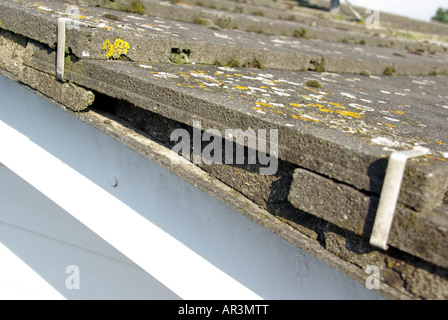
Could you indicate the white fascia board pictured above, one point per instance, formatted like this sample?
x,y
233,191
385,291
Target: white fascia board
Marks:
x,y
172,263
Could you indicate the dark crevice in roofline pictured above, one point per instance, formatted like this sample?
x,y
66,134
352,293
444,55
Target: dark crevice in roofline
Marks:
x,y
313,227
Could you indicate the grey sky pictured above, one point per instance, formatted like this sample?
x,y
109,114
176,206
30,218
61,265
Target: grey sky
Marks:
x,y
417,9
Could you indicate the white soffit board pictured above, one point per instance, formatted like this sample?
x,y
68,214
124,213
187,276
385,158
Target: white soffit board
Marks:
x,y
168,260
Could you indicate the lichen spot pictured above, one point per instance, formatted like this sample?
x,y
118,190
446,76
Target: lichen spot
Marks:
x,y
349,114
264,104
336,105
311,90
115,50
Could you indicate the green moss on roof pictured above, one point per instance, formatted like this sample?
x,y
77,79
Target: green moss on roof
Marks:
x,y
233,63
389,71
313,83
301,33
136,7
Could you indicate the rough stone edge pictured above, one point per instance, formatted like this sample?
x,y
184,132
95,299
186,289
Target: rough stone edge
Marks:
x,y
284,26
355,175
299,62
354,213
47,68
56,97
67,93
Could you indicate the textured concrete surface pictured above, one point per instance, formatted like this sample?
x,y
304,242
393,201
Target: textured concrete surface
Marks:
x,y
425,232
14,53
287,22
316,128
153,40
140,77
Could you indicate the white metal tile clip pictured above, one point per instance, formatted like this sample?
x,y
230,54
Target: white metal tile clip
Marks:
x,y
389,195
60,55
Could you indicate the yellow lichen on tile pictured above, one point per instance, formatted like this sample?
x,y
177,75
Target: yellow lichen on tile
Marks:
x,y
115,50
264,104
321,107
336,105
325,110
311,90
295,105
349,114
308,119
197,72
397,112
